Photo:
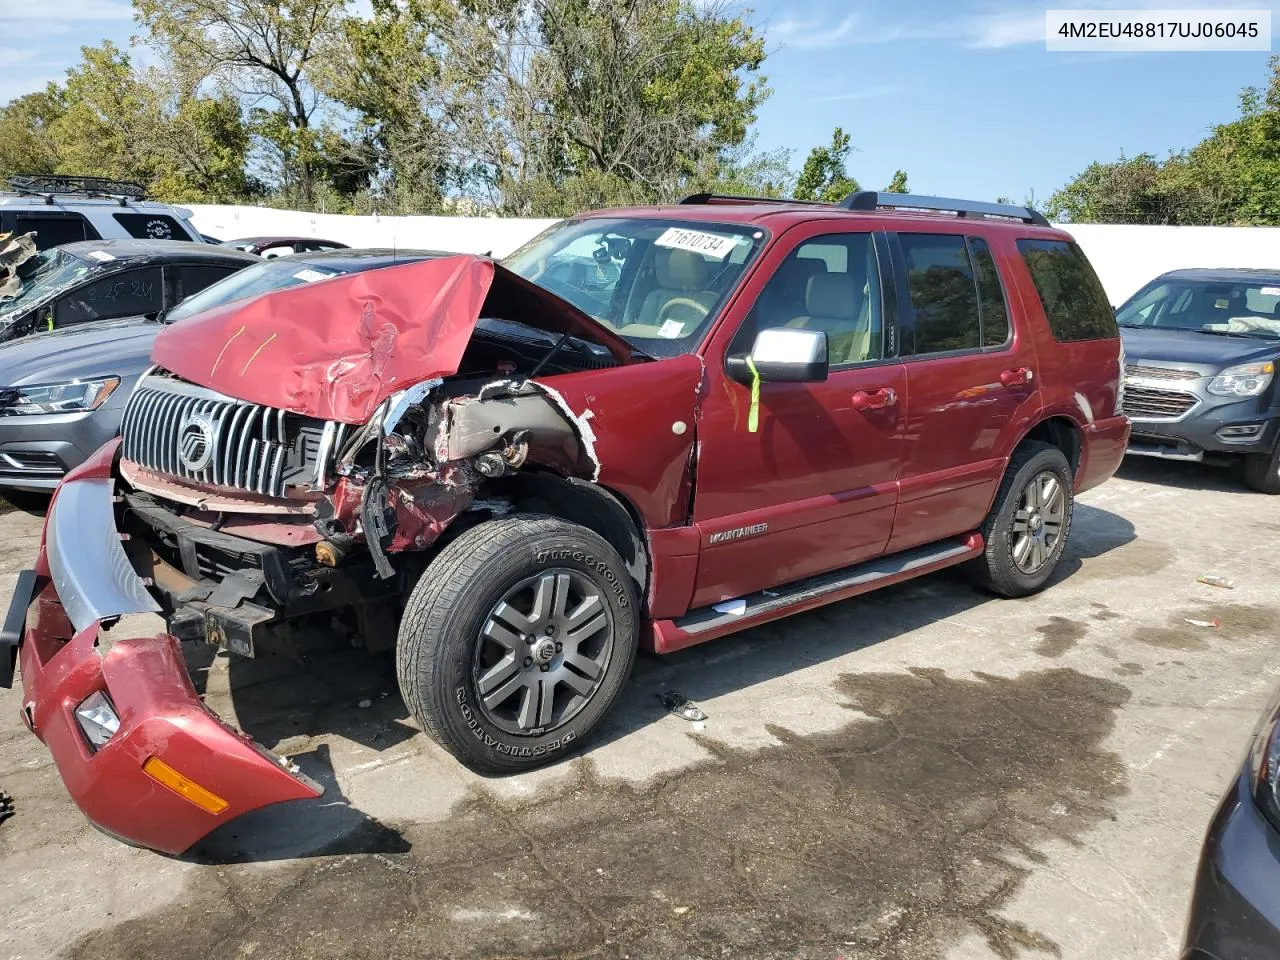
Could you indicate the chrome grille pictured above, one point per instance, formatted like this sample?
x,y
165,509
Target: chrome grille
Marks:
x,y
1152,403
1159,373
255,448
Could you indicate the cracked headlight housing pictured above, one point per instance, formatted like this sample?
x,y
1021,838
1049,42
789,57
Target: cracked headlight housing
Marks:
x,y
97,719
1244,380
72,396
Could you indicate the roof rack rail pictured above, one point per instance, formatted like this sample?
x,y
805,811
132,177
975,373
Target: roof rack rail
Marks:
x,y
50,185
699,198
871,200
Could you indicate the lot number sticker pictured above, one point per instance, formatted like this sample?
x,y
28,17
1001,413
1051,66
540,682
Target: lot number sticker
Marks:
x,y
311,276
707,244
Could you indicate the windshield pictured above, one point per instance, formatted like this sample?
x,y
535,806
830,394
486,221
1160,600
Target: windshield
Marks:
x,y
1249,308
42,279
250,282
657,283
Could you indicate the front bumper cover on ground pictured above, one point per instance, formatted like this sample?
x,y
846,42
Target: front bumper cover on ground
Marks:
x,y
82,580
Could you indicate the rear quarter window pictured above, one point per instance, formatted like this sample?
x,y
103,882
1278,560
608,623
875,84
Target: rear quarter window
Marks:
x,y
1074,302
151,226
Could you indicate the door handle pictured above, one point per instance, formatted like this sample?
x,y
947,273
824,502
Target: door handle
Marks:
x,y
875,399
1017,376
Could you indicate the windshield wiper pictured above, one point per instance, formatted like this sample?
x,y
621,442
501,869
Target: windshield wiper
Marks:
x,y
1234,333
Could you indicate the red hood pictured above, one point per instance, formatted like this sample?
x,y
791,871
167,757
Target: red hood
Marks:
x,y
337,348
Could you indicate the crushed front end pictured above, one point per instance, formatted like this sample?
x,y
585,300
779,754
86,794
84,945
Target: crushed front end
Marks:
x,y
259,504
139,752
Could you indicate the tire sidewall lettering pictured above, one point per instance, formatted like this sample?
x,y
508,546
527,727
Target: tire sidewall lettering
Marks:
x,y
500,746
591,563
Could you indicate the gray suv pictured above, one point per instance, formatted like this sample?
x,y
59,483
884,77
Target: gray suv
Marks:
x,y
62,209
63,392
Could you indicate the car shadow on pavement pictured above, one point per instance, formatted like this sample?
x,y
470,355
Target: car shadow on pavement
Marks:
x,y
765,653
325,826
31,502
1186,475
349,693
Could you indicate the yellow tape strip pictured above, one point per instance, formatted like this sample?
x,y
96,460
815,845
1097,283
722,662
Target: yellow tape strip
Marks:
x,y
753,414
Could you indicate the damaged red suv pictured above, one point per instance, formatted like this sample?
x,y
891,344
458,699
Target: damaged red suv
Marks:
x,y
645,429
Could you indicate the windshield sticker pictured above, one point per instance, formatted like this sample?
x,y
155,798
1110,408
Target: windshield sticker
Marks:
x,y
694,241
1271,291
311,276
101,256
671,330
1221,303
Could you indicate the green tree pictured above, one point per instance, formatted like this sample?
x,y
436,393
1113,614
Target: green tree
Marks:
x,y
111,120
898,184
388,73
267,51
26,143
824,175
547,106
1231,177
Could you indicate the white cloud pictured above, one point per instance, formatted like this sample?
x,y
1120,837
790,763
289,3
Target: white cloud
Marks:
x,y
863,93
63,11
989,27
1003,29
12,56
17,86
807,34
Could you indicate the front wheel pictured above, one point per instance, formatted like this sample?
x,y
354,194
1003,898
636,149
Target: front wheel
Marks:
x,y
1027,528
1262,471
516,641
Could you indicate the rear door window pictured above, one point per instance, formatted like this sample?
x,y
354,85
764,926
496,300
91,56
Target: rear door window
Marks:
x,y
151,226
193,278
943,294
127,293
1074,302
55,229
992,306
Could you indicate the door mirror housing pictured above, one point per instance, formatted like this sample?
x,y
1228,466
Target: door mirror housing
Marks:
x,y
786,355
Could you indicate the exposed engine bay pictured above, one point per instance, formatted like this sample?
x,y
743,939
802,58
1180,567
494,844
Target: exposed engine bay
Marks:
x,y
250,519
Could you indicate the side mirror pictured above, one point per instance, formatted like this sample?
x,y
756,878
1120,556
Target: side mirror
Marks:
x,y
784,354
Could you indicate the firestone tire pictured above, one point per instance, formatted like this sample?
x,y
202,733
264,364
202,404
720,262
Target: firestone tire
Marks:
x,y
1262,471
1003,569
529,604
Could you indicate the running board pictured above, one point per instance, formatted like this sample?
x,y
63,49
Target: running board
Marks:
x,y
707,623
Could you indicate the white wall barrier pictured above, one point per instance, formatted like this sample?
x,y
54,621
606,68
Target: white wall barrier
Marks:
x,y
1126,257
492,235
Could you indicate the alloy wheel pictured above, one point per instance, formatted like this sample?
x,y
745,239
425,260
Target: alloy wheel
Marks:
x,y
1038,521
543,651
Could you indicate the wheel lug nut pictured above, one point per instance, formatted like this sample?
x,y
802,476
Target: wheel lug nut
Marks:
x,y
550,630
545,667
559,647
528,661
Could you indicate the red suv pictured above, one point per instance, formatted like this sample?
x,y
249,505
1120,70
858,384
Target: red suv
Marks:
x,y
645,429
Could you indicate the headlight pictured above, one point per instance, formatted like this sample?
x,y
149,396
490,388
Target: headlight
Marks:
x,y
1264,768
97,719
74,396
1246,380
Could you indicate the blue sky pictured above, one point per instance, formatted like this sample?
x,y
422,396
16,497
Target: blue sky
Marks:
x,y
960,93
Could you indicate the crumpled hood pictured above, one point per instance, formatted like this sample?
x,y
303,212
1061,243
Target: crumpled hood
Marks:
x,y
335,349
104,348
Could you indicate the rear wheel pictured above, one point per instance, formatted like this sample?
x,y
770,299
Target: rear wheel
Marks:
x,y
1029,523
1262,471
516,641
